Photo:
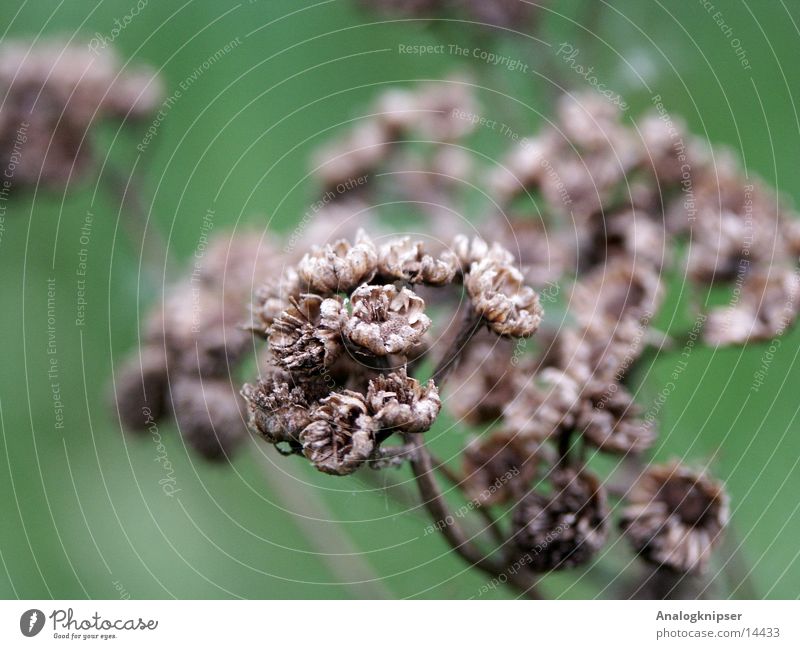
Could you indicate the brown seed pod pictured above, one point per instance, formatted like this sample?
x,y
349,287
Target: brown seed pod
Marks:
x,y
53,93
341,435
141,388
386,320
399,403
542,408
406,260
675,516
565,528
209,415
608,419
500,297
306,336
279,409
498,467
339,267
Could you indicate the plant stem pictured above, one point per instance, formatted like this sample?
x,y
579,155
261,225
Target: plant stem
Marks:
x,y
456,481
434,502
152,251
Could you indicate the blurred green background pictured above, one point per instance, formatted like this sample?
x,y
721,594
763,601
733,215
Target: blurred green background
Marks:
x,y
82,513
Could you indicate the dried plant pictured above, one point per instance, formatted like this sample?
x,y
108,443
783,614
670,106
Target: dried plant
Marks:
x,y
53,94
348,326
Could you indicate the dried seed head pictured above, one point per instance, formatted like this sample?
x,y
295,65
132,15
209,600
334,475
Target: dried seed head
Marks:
x,y
483,383
306,337
398,402
386,320
589,120
500,297
565,528
278,409
209,416
543,253
141,387
541,409
659,151
53,93
596,352
406,260
675,517
498,467
341,435
469,251
608,419
363,150
619,290
768,304
272,298
339,267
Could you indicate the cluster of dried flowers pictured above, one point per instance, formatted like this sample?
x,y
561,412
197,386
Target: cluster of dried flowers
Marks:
x,y
194,344
52,95
346,327
408,149
605,189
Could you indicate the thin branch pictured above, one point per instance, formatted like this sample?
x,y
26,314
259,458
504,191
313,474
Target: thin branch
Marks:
x,y
449,360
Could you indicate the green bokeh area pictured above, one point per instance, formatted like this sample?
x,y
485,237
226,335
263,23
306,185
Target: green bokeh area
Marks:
x,y
82,513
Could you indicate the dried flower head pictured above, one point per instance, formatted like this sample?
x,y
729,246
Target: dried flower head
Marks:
x,y
608,418
675,517
272,298
500,297
209,416
140,388
565,528
483,384
53,93
279,409
406,260
339,267
341,435
621,289
498,467
598,352
398,402
386,320
542,407
470,250
306,336
768,304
